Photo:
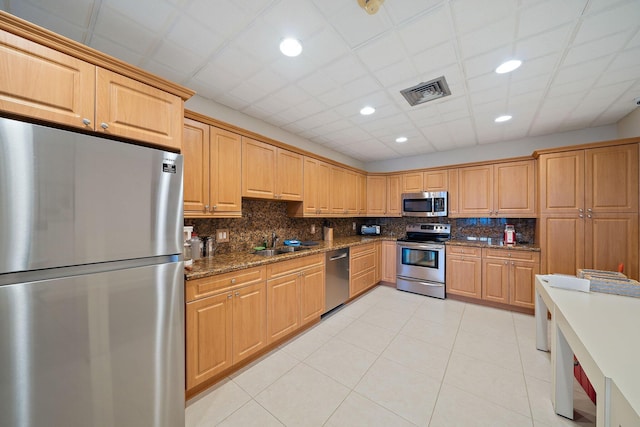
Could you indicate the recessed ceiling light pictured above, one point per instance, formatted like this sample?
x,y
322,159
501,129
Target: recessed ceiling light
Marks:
x,y
507,67
401,139
367,111
290,47
501,119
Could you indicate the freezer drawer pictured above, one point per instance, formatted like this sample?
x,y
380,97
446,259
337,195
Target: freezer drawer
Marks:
x,y
102,349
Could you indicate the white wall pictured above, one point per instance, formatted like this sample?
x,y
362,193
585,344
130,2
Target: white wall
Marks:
x,y
495,151
629,126
220,112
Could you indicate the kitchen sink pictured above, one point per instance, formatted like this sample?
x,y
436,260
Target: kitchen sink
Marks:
x,y
279,251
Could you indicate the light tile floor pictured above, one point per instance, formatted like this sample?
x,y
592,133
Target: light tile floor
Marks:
x,y
392,358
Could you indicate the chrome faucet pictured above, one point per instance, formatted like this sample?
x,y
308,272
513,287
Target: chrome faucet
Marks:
x,y
274,239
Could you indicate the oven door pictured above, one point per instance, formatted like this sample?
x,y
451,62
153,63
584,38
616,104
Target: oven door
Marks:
x,y
421,261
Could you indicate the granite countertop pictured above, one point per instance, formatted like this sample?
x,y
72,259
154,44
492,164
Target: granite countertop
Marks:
x,y
494,244
225,263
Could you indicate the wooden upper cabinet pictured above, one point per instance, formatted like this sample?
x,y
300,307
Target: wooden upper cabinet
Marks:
x,y
195,150
289,177
212,171
475,191
611,179
351,192
269,172
258,169
316,188
415,182
452,199
514,189
39,82
225,172
130,109
561,182
337,183
362,194
376,195
45,84
394,195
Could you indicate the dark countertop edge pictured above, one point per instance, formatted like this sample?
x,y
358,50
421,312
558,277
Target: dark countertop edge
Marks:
x,y
483,244
227,263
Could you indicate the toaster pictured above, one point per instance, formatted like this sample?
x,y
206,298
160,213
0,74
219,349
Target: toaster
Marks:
x,y
370,230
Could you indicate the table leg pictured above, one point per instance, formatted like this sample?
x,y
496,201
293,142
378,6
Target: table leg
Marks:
x,y
562,374
541,324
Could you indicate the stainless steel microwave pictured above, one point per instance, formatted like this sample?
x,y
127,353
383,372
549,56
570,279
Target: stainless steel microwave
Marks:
x,y
432,203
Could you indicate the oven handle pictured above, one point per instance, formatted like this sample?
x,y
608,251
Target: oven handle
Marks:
x,y
419,246
435,285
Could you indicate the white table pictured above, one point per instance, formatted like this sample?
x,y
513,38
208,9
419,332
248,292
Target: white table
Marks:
x,y
603,331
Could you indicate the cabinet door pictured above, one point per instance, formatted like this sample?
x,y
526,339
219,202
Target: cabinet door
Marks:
x,y
389,261
611,179
195,149
351,192
258,169
463,276
475,186
282,306
394,195
452,199
561,178
412,182
338,190
436,180
514,189
376,195
130,109
316,187
45,84
495,280
362,194
323,191
521,283
610,240
312,294
208,338
378,261
561,243
225,172
249,321
289,183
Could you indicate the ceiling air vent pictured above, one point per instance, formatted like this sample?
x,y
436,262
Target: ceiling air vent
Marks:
x,y
424,92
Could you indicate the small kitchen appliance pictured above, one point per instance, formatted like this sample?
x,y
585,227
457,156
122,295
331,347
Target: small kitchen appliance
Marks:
x,y
370,230
509,234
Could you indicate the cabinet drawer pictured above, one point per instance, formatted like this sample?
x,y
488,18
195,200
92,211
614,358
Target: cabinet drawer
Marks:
x,y
363,262
362,282
359,250
198,288
284,268
464,250
511,254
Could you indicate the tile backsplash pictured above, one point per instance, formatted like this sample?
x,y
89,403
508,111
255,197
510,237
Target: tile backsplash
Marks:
x,y
260,218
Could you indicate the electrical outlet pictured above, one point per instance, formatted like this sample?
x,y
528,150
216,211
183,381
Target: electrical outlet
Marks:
x,y
222,235
354,226
313,229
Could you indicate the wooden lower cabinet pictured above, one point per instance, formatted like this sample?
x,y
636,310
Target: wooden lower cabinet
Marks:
x,y
388,261
362,268
222,330
463,271
295,295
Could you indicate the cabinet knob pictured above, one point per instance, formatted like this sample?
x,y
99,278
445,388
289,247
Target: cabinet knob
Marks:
x,y
580,210
215,207
589,210
206,208
229,296
237,294
104,125
513,263
86,122
233,280
581,216
588,216
506,262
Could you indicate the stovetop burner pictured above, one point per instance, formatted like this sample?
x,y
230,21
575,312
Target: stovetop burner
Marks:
x,y
427,233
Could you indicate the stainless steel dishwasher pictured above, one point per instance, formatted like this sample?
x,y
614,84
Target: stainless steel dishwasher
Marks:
x,y
337,278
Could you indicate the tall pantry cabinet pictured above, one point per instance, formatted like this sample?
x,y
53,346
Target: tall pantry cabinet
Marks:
x,y
589,208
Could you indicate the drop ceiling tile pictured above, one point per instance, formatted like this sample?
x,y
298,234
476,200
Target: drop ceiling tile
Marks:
x,y
431,29
439,137
498,94
634,42
490,37
261,41
329,7
334,126
493,109
274,105
579,72
539,67
116,50
345,70
397,72
293,69
381,52
402,11
543,44
307,108
152,14
360,88
325,47
471,15
194,36
217,78
206,12
627,58
114,26
231,101
168,73
487,81
526,102
52,22
594,49
625,74
546,15
294,18
356,26
77,12
317,83
536,84
320,119
334,98
253,6
248,92
254,111
235,62
571,87
268,79
435,58
487,62
177,58
613,20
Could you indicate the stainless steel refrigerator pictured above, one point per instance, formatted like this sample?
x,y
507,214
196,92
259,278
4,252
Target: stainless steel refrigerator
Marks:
x,y
91,281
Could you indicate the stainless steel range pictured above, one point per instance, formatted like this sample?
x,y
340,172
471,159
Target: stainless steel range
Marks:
x,y
420,259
